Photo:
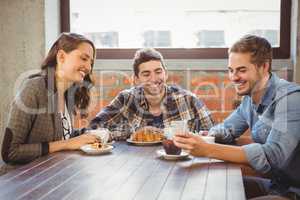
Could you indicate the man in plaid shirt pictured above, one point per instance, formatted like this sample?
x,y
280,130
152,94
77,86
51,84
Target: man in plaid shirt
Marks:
x,y
151,103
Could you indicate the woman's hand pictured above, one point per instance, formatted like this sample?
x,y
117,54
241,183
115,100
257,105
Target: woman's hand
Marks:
x,y
76,142
72,143
191,143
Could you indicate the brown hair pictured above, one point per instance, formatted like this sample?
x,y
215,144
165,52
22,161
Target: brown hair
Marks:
x,y
78,95
259,48
145,55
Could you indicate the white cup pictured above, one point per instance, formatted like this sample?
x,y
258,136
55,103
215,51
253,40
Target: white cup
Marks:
x,y
179,127
168,132
208,139
102,134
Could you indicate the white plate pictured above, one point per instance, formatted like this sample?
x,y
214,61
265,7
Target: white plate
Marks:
x,y
162,153
142,143
90,150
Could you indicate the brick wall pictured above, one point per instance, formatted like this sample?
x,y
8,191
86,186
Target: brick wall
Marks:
x,y
212,87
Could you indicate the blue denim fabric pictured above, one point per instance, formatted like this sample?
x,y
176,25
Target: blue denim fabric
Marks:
x,y
274,126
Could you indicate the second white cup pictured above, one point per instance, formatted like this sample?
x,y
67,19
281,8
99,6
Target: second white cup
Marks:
x,y
102,134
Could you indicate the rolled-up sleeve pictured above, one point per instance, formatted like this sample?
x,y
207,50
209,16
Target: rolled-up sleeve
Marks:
x,y
256,157
282,139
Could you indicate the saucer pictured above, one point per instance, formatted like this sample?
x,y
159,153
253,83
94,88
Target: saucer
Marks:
x,y
90,150
162,153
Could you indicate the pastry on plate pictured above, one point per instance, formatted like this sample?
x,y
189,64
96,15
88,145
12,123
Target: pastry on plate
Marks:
x,y
147,134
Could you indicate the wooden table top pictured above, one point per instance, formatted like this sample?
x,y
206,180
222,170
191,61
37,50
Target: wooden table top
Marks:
x,y
129,172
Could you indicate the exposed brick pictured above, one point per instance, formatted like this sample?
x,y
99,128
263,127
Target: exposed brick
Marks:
x,y
226,80
205,89
213,104
175,79
229,91
228,104
229,98
105,79
211,78
95,94
127,81
195,81
114,92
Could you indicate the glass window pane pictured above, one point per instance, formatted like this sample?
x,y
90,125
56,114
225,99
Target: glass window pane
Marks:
x,y
174,23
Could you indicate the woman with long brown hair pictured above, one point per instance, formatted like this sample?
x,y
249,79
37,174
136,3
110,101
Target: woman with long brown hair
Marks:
x,y
40,119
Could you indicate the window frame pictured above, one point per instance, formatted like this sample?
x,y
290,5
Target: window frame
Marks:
x,y
281,52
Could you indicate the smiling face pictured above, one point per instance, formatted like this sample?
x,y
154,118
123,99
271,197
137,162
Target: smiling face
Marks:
x,y
152,76
75,65
246,76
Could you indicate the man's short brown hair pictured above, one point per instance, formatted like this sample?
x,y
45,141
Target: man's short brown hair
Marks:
x,y
259,48
145,55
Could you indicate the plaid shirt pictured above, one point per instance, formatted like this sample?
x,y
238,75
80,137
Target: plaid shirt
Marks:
x,y
130,111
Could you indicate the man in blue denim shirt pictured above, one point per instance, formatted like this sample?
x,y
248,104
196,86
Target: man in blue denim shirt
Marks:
x,y
270,109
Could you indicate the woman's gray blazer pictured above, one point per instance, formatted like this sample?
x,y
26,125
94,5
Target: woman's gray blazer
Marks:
x,y
33,120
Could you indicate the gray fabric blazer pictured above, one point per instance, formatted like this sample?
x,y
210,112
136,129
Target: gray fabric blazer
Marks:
x,y
33,120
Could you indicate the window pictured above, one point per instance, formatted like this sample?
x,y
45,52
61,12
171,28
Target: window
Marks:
x,y
104,39
157,39
209,38
272,36
188,29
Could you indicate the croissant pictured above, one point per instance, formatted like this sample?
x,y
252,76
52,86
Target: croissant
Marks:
x,y
147,135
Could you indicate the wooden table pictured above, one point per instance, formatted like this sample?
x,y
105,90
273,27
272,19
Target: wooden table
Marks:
x,y
129,172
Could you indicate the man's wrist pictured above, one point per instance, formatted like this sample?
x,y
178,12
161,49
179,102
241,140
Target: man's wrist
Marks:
x,y
209,150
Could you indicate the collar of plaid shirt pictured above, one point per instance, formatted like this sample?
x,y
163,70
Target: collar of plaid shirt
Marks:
x,y
174,104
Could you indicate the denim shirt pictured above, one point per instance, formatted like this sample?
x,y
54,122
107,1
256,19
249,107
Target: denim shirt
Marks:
x,y
274,126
